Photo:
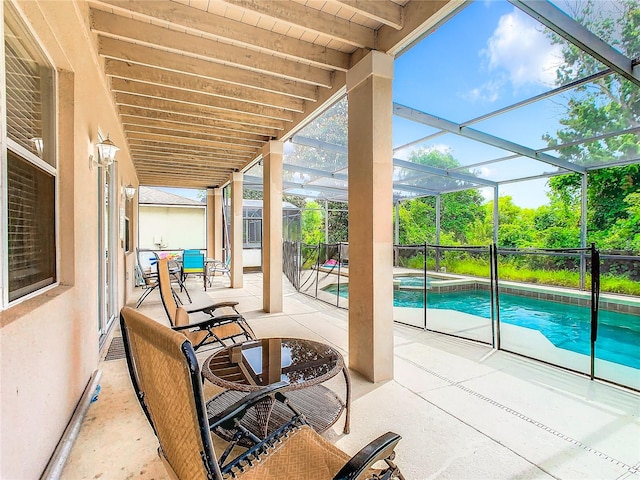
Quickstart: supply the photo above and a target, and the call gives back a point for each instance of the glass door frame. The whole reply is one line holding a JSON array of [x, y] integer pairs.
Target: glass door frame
[[107, 249]]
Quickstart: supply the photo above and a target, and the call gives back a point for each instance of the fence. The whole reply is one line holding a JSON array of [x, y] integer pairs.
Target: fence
[[543, 303]]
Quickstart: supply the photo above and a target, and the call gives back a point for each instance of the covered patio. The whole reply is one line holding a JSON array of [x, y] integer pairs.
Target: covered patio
[[194, 94], [463, 410]]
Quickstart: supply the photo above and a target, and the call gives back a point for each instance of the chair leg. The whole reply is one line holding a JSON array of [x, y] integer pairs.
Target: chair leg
[[144, 295]]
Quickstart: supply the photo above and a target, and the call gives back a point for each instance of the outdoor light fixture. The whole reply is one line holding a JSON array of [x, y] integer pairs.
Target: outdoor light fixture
[[106, 153], [39, 144], [129, 191]]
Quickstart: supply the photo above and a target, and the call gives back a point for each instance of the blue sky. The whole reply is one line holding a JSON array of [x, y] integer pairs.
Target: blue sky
[[489, 56]]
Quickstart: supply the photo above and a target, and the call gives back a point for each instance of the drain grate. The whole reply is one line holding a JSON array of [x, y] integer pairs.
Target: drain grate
[[116, 349]]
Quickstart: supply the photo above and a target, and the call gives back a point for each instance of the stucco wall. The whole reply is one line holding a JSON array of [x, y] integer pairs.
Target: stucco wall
[[49, 344], [177, 227]]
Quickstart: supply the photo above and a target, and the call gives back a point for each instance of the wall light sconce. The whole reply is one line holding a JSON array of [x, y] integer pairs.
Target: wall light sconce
[[129, 191], [106, 153], [39, 145]]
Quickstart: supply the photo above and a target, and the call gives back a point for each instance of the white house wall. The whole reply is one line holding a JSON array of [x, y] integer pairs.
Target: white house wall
[[175, 227]]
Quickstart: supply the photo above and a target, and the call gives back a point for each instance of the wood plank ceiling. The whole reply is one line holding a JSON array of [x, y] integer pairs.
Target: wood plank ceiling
[[201, 85]]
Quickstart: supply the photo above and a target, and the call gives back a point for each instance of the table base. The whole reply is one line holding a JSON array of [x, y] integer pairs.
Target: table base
[[320, 406]]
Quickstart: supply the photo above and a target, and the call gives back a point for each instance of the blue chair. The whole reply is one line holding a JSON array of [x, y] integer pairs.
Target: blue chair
[[192, 262]]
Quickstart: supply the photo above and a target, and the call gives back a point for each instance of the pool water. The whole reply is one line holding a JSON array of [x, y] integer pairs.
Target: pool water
[[414, 281], [566, 326]]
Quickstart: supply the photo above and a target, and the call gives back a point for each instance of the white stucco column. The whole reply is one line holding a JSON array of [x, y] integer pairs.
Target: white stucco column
[[236, 230], [272, 227], [370, 217], [214, 223]]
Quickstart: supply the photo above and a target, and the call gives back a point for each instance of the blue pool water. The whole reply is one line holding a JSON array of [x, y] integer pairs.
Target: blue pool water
[[566, 326], [414, 281]]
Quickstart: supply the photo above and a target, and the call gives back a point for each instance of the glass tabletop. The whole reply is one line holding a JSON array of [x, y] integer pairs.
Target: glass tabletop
[[257, 363]]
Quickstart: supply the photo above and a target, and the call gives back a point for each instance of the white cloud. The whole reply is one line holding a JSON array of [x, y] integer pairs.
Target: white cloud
[[519, 46], [488, 92], [484, 172]]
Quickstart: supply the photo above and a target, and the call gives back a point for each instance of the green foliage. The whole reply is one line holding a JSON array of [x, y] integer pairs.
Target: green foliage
[[417, 217], [416, 262], [252, 194], [608, 104], [312, 224], [617, 284], [338, 222]]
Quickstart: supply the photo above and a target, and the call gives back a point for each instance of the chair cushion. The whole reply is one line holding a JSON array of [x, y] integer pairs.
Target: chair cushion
[[305, 455]]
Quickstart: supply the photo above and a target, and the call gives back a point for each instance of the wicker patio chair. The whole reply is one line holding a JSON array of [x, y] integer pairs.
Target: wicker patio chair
[[166, 379], [223, 323]]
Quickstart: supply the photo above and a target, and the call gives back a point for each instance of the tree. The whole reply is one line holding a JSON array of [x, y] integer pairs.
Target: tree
[[338, 222], [606, 105], [312, 220], [458, 209]]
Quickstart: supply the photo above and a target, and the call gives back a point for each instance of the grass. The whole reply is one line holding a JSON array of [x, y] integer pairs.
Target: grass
[[558, 278]]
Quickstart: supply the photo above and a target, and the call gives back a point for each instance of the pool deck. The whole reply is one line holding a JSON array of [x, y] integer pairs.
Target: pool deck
[[464, 410]]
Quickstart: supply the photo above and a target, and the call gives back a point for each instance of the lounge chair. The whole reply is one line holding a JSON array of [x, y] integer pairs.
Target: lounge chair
[[167, 383], [222, 323]]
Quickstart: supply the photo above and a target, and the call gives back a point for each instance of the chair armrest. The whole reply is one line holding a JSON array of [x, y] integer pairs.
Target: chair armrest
[[238, 409], [210, 308], [379, 449], [210, 322]]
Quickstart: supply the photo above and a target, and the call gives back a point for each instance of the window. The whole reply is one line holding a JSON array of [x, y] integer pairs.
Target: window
[[30, 163], [252, 233]]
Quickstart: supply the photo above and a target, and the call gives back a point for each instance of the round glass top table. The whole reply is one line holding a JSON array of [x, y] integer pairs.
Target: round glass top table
[[305, 365]]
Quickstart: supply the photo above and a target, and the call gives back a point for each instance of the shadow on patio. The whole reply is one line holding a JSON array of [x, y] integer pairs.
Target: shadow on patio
[[463, 410]]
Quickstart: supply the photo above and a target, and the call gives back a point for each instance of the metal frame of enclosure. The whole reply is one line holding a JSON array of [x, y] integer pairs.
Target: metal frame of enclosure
[[413, 180]]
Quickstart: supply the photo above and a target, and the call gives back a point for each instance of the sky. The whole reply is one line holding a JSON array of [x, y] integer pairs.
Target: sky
[[489, 56]]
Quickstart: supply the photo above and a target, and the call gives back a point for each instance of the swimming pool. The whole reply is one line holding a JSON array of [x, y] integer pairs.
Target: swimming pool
[[566, 326]]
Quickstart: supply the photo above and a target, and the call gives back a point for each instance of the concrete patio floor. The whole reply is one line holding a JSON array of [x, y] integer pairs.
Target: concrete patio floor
[[463, 410]]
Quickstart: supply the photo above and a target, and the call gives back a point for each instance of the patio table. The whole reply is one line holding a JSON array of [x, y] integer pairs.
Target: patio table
[[304, 364]]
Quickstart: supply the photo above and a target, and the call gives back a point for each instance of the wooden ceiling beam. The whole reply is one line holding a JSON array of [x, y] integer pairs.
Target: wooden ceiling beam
[[182, 181], [130, 121], [191, 83], [189, 155], [238, 33], [187, 150], [132, 87], [173, 133], [192, 165], [313, 20], [158, 175], [132, 135], [153, 57], [154, 104], [190, 120], [180, 167], [149, 155], [383, 11], [151, 35]]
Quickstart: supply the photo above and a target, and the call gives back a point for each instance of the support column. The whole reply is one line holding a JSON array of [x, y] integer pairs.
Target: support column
[[272, 227], [236, 230], [214, 223], [370, 220]]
